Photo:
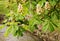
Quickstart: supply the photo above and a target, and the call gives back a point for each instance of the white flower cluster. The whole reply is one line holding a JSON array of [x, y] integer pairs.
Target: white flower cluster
[[20, 7]]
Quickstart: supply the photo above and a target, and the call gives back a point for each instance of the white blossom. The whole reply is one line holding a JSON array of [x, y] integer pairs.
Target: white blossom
[[39, 9], [20, 7], [47, 6]]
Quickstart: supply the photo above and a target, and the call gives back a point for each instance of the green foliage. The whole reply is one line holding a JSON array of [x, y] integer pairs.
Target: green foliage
[[22, 15], [1, 27]]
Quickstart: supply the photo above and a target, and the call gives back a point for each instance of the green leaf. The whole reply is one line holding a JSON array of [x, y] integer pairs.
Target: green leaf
[[48, 26], [53, 2], [19, 16], [45, 26], [51, 28], [25, 10], [14, 29], [32, 22], [8, 31], [54, 18], [26, 27], [42, 2], [14, 7], [2, 26]]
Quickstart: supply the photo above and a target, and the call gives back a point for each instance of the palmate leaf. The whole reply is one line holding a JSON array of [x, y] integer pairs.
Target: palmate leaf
[[8, 31], [32, 22], [45, 26], [48, 27], [19, 32], [14, 29], [11, 29], [53, 2], [51, 28], [54, 18]]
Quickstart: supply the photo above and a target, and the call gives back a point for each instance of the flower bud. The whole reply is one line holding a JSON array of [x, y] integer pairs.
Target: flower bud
[[47, 6], [39, 10], [20, 7]]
